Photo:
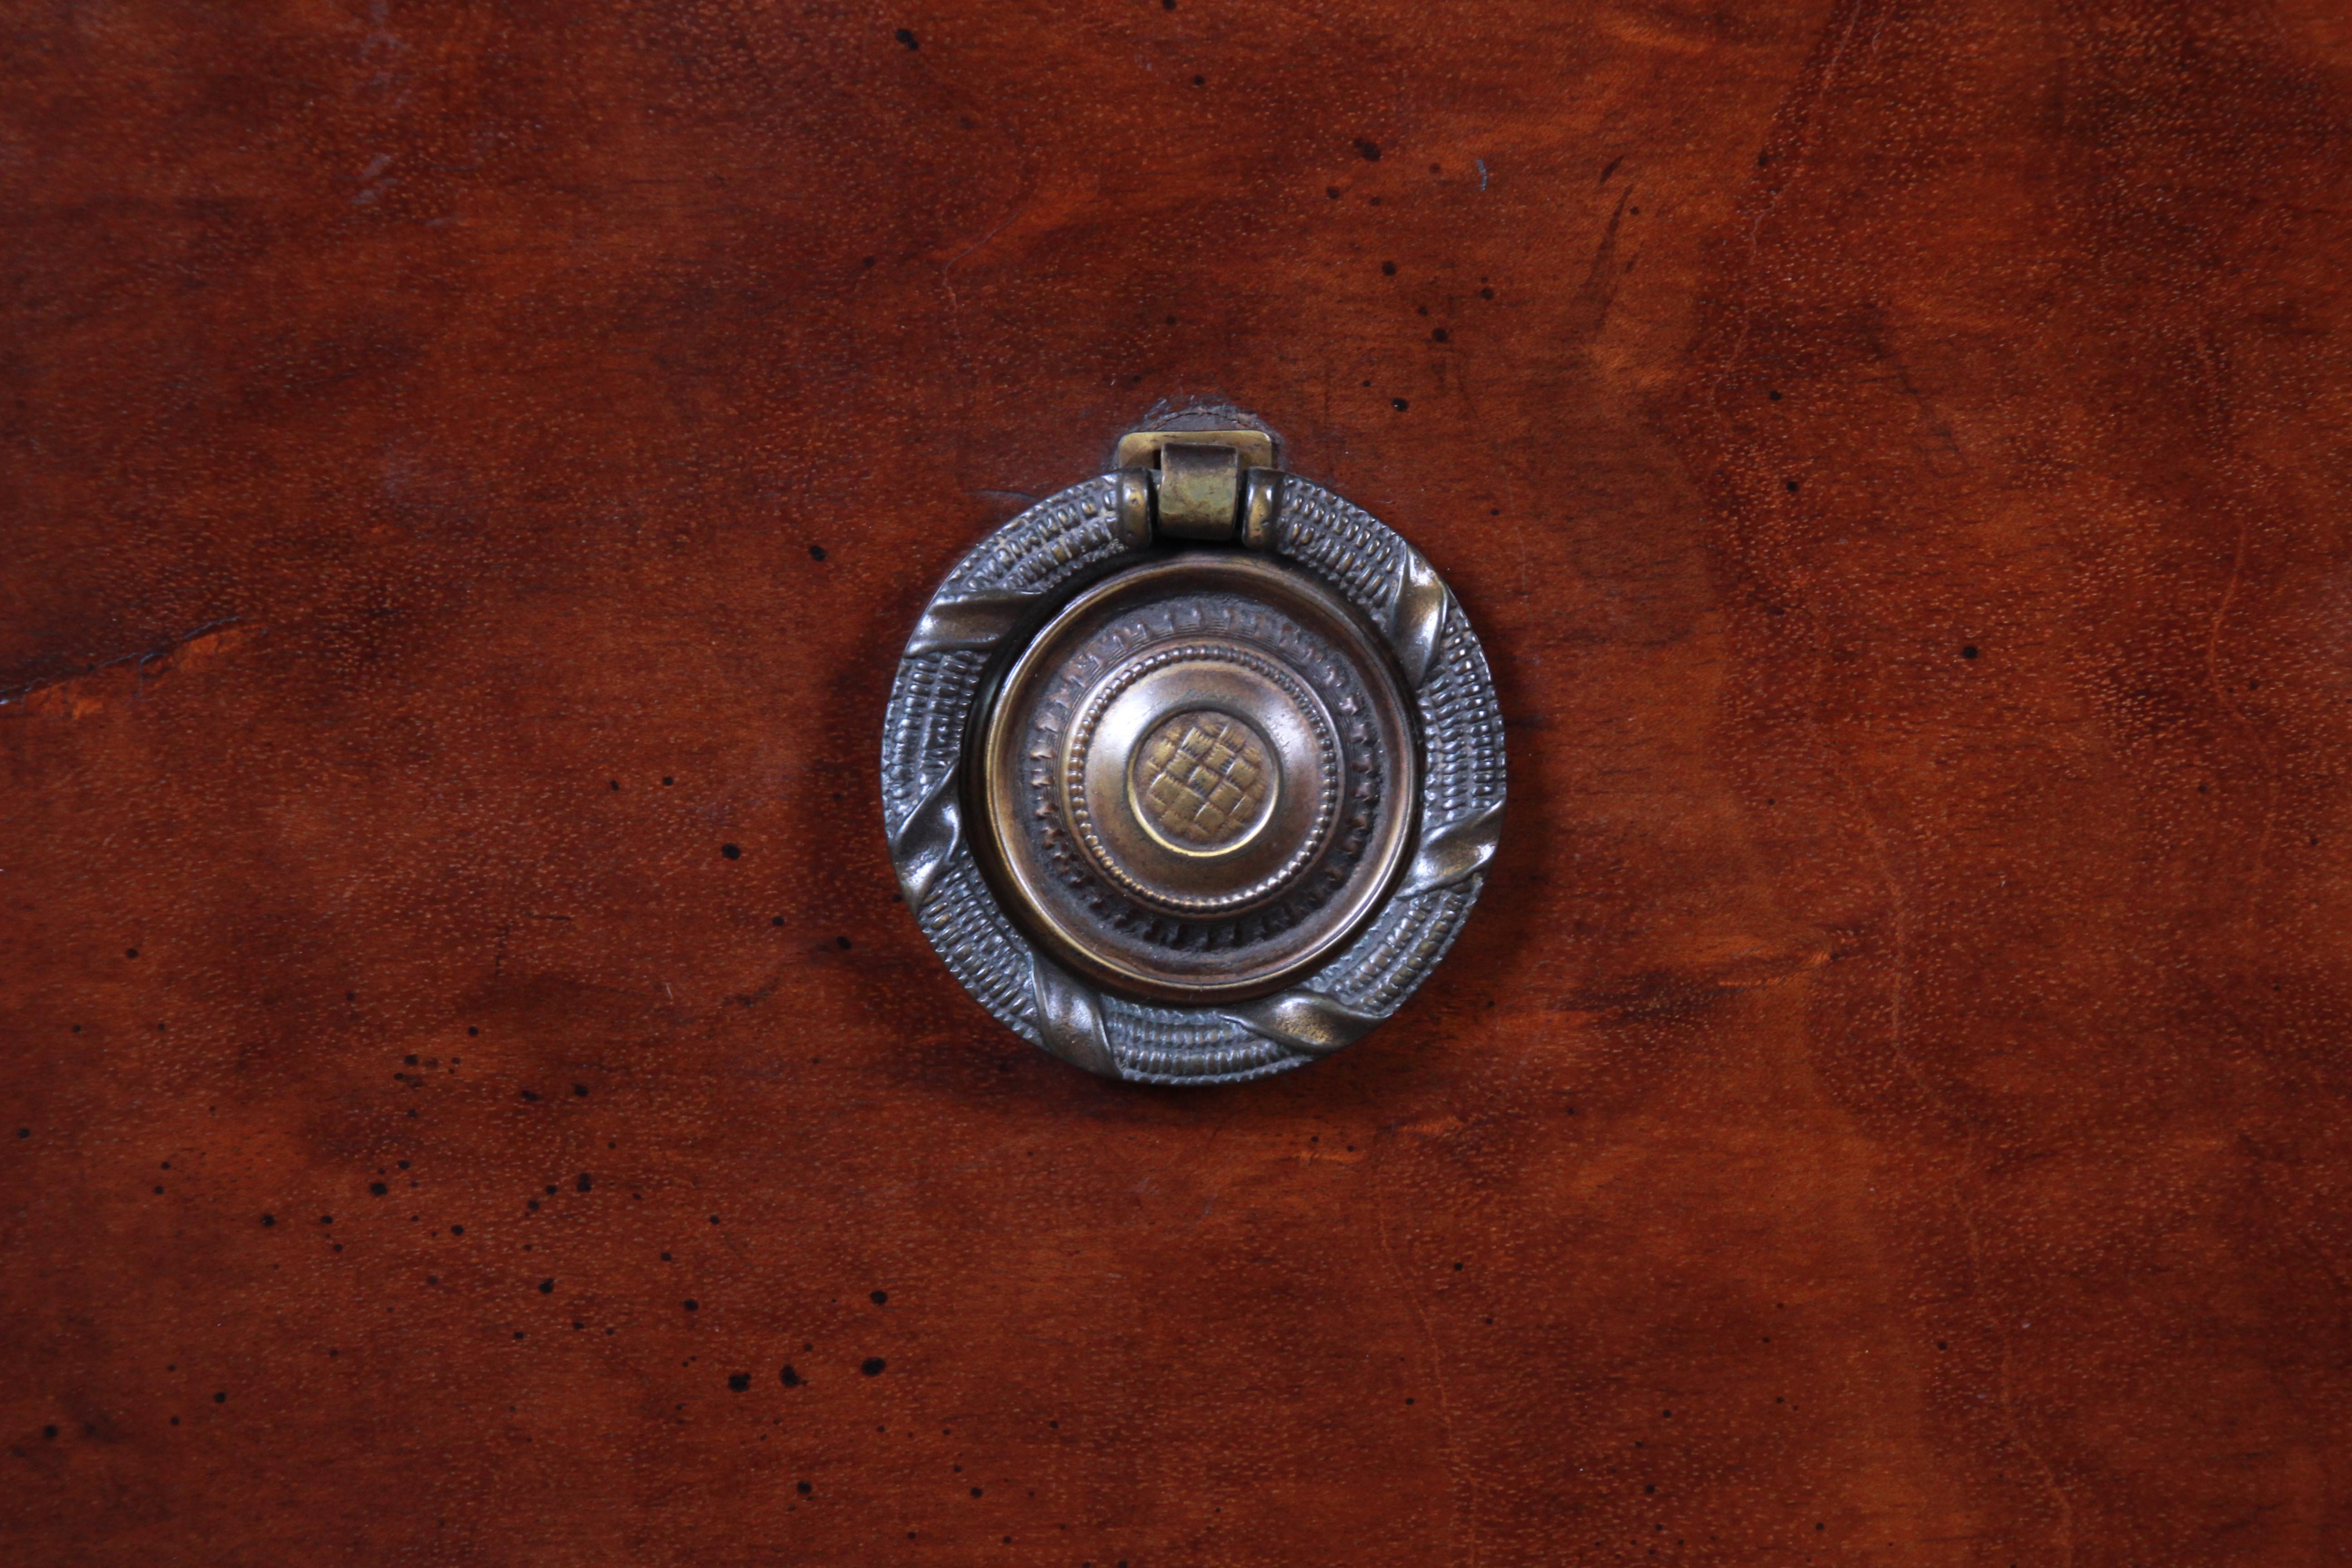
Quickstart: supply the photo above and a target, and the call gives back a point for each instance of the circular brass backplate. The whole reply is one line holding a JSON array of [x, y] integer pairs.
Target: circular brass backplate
[[1193, 815], [1199, 778]]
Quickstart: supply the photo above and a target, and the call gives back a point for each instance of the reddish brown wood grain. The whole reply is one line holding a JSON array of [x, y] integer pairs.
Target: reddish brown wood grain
[[467, 466]]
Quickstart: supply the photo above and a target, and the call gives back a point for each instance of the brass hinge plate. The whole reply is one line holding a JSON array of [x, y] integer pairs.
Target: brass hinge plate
[[1141, 448]]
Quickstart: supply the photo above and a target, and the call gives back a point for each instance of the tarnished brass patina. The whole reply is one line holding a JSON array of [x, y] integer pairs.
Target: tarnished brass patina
[[1207, 487], [1141, 448], [1200, 492], [1192, 771]]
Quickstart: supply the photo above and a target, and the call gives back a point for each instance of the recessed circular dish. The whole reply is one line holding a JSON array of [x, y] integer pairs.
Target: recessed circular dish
[[1198, 778]]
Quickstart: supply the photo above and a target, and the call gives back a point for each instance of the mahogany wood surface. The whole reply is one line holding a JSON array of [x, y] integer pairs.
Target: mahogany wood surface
[[470, 1094]]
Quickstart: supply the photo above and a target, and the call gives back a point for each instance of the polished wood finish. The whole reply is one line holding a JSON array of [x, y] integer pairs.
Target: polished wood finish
[[468, 472]]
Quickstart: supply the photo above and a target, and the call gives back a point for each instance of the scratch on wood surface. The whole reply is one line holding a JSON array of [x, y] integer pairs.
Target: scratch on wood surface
[[1795, 129], [1995, 1319], [1653, 993], [2213, 369], [1465, 1498], [110, 680], [1591, 308]]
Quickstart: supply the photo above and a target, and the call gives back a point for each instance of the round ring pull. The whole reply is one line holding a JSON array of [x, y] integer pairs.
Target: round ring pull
[[1192, 771]]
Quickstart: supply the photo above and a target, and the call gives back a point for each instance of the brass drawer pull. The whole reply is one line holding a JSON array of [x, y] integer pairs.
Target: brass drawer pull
[[1192, 772]]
